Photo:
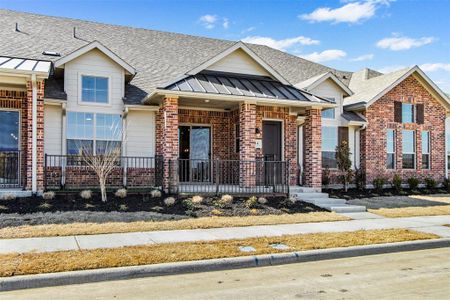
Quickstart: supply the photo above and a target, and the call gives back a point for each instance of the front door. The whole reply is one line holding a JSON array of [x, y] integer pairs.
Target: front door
[[195, 154], [9, 148], [272, 152]]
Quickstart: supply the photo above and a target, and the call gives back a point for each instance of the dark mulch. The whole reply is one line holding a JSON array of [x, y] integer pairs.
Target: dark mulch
[[144, 203], [371, 193]]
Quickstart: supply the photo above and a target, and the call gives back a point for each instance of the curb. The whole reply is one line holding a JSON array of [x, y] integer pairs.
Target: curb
[[108, 274]]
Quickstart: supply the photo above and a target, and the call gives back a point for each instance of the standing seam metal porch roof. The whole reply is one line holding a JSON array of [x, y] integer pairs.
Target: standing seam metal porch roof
[[239, 85]]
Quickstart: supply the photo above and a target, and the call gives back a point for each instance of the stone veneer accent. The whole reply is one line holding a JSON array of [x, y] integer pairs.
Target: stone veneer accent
[[313, 148], [380, 116]]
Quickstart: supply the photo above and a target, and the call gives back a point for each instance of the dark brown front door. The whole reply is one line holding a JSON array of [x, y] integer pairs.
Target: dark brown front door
[[272, 152], [272, 140]]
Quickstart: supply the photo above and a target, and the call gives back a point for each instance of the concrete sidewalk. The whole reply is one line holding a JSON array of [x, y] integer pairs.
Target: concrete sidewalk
[[364, 221]]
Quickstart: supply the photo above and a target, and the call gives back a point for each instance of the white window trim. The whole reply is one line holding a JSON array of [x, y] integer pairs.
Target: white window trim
[[429, 149], [414, 149], [94, 136], [80, 88], [395, 148]]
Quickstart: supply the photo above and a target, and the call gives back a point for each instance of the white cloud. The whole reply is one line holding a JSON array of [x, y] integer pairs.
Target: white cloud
[[283, 44], [208, 21], [435, 67], [248, 29], [389, 69], [399, 43], [352, 12], [363, 57], [327, 55], [226, 23]]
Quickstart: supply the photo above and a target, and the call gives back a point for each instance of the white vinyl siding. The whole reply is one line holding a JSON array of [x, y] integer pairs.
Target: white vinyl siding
[[53, 129], [238, 62], [140, 133]]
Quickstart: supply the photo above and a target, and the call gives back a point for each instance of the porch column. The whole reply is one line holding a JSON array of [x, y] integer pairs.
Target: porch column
[[290, 146], [167, 139], [247, 153], [34, 155], [313, 148]]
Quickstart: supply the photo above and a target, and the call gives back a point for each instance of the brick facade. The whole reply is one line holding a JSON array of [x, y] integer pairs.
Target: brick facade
[[380, 117]]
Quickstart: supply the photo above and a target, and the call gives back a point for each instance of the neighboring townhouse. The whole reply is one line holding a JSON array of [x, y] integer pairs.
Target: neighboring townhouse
[[193, 114]]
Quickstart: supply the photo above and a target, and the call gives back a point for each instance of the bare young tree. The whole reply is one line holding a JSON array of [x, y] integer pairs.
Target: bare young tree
[[104, 159]]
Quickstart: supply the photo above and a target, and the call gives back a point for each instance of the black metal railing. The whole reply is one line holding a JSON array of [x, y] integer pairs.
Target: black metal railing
[[10, 165], [229, 176], [71, 172]]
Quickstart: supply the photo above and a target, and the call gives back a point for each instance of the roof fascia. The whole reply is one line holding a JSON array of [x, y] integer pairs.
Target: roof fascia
[[247, 50], [95, 45]]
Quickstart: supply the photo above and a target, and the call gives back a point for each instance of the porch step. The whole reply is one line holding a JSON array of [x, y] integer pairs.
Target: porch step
[[16, 192], [345, 208], [314, 196]]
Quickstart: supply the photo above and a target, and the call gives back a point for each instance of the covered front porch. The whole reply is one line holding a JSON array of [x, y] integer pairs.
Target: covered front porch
[[245, 141]]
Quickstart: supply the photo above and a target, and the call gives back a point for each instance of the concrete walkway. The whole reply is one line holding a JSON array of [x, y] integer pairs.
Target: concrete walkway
[[361, 221]]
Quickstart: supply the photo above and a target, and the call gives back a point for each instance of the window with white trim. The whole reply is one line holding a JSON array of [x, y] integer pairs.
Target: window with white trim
[[93, 132], [94, 89], [425, 149], [408, 149], [329, 144], [408, 113], [329, 113], [390, 149]]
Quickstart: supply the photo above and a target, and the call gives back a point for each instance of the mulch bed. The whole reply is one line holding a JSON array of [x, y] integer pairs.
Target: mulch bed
[[144, 203], [371, 193]]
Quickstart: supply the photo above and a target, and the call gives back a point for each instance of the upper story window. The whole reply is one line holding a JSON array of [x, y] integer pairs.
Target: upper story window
[[329, 144], [407, 113], [328, 113], [94, 89], [390, 149]]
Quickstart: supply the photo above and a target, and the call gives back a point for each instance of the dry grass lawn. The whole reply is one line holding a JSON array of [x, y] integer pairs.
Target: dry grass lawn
[[34, 263], [200, 223], [412, 211]]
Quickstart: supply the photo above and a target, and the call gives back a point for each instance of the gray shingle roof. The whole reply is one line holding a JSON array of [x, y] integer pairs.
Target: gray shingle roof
[[159, 57]]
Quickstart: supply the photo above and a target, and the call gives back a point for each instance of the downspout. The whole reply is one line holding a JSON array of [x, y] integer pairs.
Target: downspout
[[34, 135]]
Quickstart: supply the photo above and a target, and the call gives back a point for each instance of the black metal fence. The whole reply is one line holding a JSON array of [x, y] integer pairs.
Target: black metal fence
[[10, 165], [228, 176], [72, 172]]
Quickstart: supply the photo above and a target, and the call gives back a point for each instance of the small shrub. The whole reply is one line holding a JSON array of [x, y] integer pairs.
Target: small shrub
[[251, 202], [88, 205], [197, 199], [3, 208], [8, 196], [155, 194], [216, 212], [430, 183], [360, 179], [86, 194], [227, 199], [253, 211], [169, 201], [378, 184], [188, 204], [224, 201], [48, 196], [413, 183], [45, 205], [123, 207], [262, 201], [121, 193], [397, 183], [446, 184], [326, 176], [287, 202]]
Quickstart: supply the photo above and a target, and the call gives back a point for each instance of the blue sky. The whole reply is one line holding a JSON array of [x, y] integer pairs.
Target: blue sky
[[346, 34]]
